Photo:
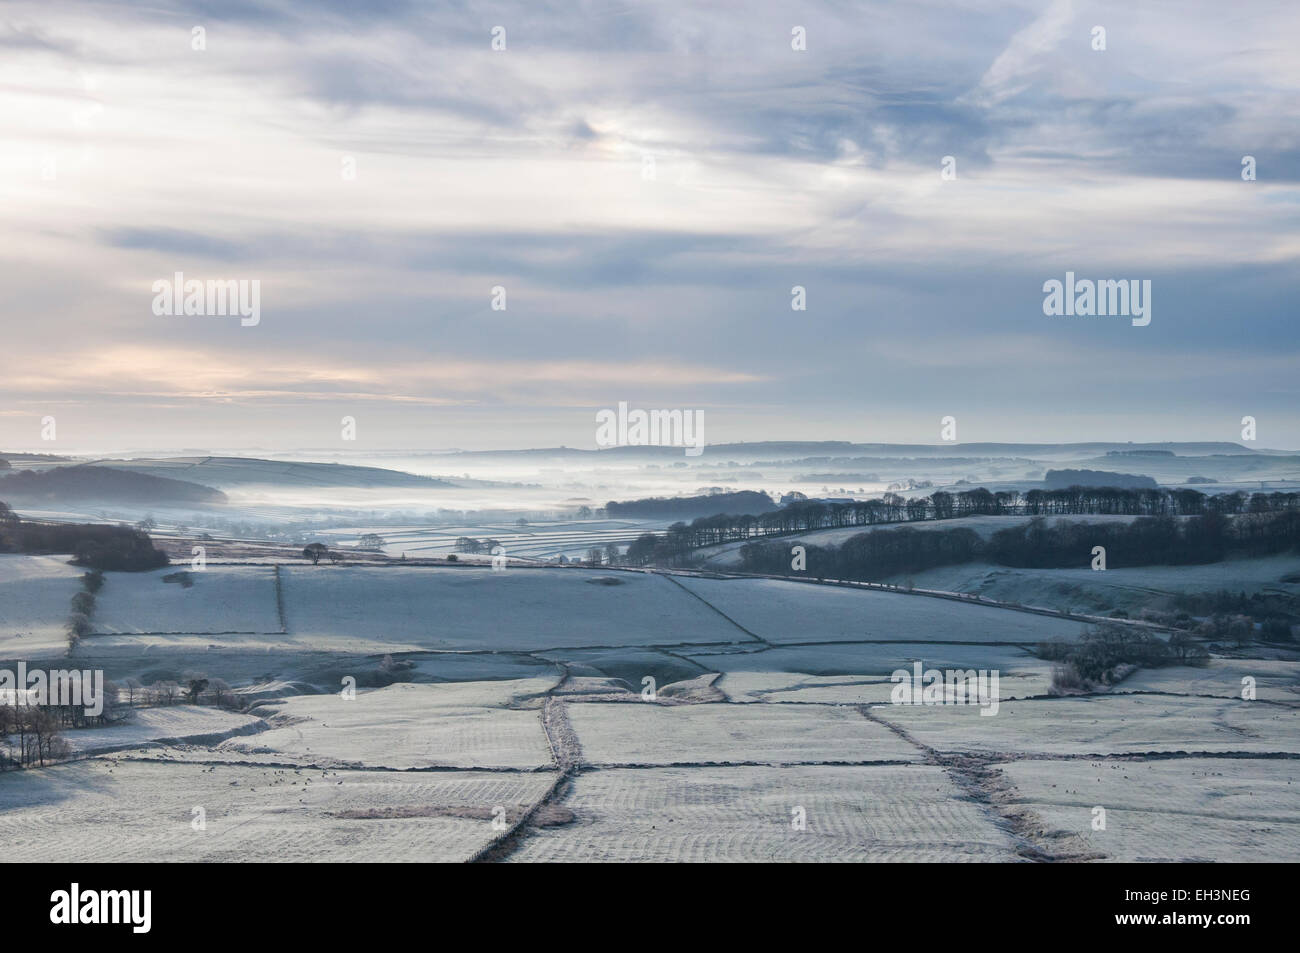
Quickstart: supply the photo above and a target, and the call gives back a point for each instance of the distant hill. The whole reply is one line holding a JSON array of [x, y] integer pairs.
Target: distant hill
[[1064, 479], [691, 507], [66, 484], [799, 449], [227, 472]]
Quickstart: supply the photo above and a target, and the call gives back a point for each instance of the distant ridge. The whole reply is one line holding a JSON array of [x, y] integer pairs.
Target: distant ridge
[[788, 448], [82, 482], [229, 472]]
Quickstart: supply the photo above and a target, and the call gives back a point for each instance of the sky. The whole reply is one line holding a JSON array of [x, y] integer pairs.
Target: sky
[[647, 182]]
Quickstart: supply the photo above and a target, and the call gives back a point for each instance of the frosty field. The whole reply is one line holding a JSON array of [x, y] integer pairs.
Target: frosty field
[[34, 596], [1177, 811], [620, 734], [1129, 588], [120, 810], [524, 609], [549, 714], [785, 612], [229, 599], [739, 814], [410, 726], [1113, 724]]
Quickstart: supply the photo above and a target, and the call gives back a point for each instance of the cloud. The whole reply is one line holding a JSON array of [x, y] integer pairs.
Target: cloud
[[525, 169]]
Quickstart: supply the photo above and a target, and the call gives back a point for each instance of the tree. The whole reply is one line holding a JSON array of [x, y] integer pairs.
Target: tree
[[371, 541], [112, 696], [78, 627], [314, 552], [132, 685], [611, 554], [584, 512], [222, 694], [43, 728], [197, 685]]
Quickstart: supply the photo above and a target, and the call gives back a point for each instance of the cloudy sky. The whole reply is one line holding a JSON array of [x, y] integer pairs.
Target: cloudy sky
[[129, 155]]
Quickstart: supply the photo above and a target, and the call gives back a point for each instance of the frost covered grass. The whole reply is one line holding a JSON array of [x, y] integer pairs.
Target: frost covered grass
[[1171, 811]]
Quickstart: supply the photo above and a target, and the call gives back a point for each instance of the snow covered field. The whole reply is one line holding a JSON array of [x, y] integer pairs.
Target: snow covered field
[[410, 726], [35, 592], [518, 693], [784, 612], [1173, 811], [547, 540], [476, 609], [180, 724], [640, 734], [226, 599], [114, 809], [746, 814], [1111, 724]]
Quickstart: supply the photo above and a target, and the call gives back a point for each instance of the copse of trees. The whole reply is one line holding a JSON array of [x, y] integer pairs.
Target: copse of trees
[[1144, 541], [127, 550], [97, 546], [744, 501], [468, 544], [1106, 653], [807, 515], [1064, 479], [30, 734]]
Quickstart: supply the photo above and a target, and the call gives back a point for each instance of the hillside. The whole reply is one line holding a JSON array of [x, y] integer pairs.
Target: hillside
[[65, 484], [227, 472]]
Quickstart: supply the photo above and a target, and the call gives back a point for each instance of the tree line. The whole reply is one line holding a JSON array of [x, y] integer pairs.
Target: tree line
[[673, 546], [1145, 541], [96, 546]]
